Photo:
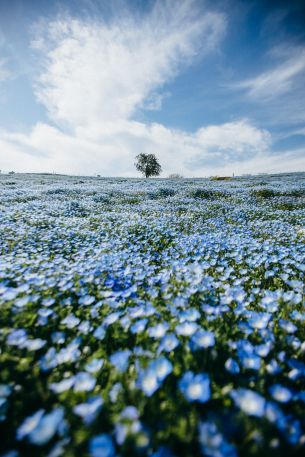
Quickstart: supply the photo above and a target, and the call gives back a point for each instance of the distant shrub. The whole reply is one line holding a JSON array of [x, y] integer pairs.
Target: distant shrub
[[175, 176], [75, 209], [101, 198], [220, 178], [206, 194], [163, 192], [294, 193], [264, 193]]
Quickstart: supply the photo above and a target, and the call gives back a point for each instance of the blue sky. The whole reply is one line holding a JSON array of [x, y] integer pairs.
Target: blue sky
[[210, 87]]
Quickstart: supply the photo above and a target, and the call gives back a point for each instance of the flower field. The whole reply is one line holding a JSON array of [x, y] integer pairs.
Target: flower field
[[153, 318]]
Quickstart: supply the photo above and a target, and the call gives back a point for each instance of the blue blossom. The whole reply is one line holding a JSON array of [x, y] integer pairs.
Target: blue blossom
[[70, 321], [89, 410], [41, 427], [158, 331], [100, 332], [17, 338], [202, 339], [84, 382], [94, 365], [232, 366], [150, 379], [250, 402], [195, 387], [259, 320], [280, 393], [120, 360], [87, 300], [168, 343], [212, 442], [101, 446], [139, 326], [186, 328]]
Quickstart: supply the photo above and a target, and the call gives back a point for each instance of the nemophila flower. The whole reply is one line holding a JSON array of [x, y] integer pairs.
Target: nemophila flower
[[186, 328], [250, 402], [58, 337], [41, 427], [168, 343], [94, 365], [195, 387], [232, 366], [62, 386], [17, 338], [114, 392], [212, 442], [138, 326], [273, 367], [70, 321], [130, 412], [275, 415], [48, 301], [148, 382], [249, 361], [100, 332], [84, 382], [280, 393], [70, 353], [263, 349], [35, 344], [151, 378], [288, 326], [259, 320], [89, 410], [87, 300], [120, 360], [202, 339], [190, 315], [101, 446], [162, 367], [158, 331]]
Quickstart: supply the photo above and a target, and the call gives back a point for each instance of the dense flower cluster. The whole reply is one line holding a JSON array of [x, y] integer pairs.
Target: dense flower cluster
[[155, 318]]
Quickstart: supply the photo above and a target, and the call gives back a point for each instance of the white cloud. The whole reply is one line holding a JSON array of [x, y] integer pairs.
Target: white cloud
[[112, 151], [282, 78], [101, 71]]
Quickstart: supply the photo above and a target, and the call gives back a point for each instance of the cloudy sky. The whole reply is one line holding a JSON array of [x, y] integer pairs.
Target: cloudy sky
[[210, 87]]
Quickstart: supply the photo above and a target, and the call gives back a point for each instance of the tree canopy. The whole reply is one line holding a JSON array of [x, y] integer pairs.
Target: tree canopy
[[148, 165]]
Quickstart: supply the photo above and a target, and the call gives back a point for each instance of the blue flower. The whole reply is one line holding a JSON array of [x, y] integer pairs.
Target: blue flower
[[101, 446], [186, 328], [89, 410], [259, 320], [232, 366], [158, 331], [100, 332], [120, 360], [213, 444], [249, 402], [168, 343], [280, 393], [71, 321], [40, 427], [195, 387], [162, 367], [149, 380], [84, 382], [94, 365], [202, 339]]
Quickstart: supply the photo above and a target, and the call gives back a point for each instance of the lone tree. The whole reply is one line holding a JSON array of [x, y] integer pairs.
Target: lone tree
[[148, 165]]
